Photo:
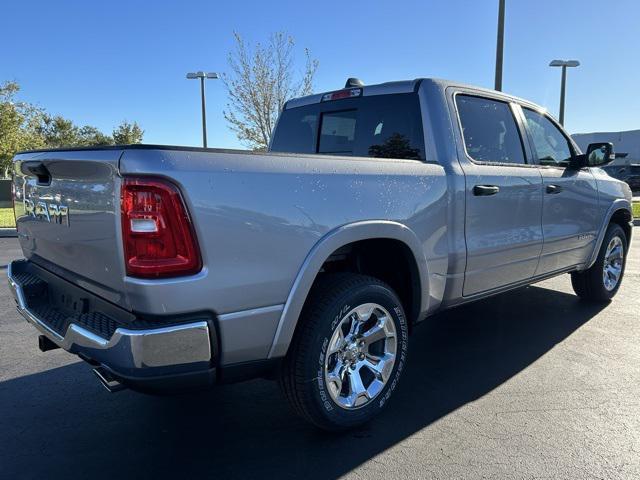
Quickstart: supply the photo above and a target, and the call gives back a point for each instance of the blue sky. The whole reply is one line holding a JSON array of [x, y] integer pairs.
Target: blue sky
[[101, 62]]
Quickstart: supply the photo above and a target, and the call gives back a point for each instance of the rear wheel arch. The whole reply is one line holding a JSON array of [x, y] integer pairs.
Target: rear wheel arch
[[332, 243]]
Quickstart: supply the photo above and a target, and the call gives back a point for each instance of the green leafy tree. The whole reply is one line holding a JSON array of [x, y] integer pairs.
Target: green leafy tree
[[396, 146], [128, 134], [59, 132], [24, 126], [260, 81], [90, 136], [19, 122]]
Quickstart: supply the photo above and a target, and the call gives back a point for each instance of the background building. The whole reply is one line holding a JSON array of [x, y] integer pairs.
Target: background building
[[623, 142]]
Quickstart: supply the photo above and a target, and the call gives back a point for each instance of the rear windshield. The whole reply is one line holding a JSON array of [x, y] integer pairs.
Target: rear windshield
[[386, 126]]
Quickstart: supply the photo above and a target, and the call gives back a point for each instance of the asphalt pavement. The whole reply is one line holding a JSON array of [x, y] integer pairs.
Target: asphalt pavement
[[528, 384]]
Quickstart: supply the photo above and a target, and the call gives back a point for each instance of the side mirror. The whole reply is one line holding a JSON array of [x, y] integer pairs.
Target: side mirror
[[598, 154]]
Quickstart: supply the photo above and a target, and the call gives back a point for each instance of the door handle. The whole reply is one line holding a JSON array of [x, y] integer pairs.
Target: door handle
[[554, 188], [485, 190]]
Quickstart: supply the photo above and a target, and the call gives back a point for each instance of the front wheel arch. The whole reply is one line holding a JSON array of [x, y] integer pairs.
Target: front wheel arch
[[591, 284], [620, 213]]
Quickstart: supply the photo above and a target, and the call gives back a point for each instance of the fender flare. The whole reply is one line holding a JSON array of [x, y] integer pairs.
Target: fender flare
[[329, 243], [619, 204]]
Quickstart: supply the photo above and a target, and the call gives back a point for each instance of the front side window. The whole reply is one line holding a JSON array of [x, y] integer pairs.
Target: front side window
[[489, 130], [551, 146]]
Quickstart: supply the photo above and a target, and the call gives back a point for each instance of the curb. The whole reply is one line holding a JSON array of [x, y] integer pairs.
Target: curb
[[8, 232]]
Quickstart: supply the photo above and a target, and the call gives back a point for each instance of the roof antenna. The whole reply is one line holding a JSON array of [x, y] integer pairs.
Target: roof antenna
[[353, 82]]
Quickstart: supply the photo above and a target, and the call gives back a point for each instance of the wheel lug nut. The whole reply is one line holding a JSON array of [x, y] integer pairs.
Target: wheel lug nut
[[353, 366], [361, 356]]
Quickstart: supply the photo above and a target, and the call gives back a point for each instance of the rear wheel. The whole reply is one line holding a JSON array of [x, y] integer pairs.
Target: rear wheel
[[601, 282], [347, 355]]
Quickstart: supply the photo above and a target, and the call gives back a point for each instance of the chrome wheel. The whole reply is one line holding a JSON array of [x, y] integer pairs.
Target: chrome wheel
[[613, 261], [360, 356]]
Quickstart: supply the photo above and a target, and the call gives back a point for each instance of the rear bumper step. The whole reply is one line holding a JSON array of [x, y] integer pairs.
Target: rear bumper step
[[44, 344], [98, 335]]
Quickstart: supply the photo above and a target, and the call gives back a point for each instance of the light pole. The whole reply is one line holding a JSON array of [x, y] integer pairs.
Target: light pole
[[202, 76], [499, 46], [564, 64]]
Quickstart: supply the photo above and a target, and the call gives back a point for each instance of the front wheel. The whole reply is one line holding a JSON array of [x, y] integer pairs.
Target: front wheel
[[601, 282], [348, 353]]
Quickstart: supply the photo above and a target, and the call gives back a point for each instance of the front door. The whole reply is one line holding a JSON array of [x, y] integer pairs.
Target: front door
[[570, 218], [503, 196]]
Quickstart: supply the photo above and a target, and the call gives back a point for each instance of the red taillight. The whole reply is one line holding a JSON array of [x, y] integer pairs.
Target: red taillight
[[157, 233]]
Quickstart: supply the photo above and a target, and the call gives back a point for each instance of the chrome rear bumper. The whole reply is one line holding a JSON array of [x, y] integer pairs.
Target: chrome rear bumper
[[139, 353]]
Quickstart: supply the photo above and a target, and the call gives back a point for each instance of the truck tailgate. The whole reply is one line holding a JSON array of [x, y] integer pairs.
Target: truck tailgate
[[66, 205]]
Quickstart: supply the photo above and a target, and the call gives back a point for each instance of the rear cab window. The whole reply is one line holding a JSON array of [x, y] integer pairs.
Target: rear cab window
[[384, 126], [338, 132]]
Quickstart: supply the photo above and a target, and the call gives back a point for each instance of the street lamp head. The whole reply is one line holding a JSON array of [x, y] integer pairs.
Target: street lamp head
[[564, 63], [201, 74]]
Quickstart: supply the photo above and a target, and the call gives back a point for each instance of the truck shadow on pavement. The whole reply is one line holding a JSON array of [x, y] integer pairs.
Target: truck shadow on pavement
[[60, 423]]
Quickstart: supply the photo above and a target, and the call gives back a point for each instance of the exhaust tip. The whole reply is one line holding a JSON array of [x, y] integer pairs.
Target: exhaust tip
[[107, 380], [44, 344]]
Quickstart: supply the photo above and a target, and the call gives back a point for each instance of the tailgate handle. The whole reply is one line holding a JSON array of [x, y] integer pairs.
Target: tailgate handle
[[41, 173]]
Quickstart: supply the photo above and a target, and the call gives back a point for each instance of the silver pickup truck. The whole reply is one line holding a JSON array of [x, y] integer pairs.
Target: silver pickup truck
[[376, 206]]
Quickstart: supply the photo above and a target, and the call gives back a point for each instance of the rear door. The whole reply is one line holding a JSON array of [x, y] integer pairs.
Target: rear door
[[503, 195], [66, 205], [570, 216]]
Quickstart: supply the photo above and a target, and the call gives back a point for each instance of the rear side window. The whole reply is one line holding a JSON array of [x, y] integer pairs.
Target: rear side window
[[489, 129], [385, 126]]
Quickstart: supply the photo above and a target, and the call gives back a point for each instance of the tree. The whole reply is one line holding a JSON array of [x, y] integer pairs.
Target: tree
[[89, 136], [19, 123], [260, 81], [127, 134], [59, 132], [24, 126], [396, 146]]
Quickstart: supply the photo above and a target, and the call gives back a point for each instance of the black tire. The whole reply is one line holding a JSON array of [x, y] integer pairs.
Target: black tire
[[302, 376], [589, 284]]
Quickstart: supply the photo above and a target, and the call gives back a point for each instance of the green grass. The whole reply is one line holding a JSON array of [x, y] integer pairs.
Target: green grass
[[636, 209], [6, 218]]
